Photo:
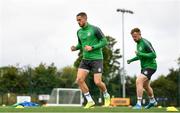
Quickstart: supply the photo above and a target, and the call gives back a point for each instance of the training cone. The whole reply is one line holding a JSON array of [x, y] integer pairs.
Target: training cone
[[172, 108], [159, 107], [19, 106]]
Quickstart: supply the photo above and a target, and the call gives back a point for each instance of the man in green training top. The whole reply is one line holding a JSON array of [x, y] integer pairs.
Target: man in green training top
[[146, 54], [91, 41]]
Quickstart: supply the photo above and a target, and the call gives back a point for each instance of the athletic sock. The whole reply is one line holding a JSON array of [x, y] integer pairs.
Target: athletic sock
[[139, 99], [152, 99], [88, 97], [105, 93]]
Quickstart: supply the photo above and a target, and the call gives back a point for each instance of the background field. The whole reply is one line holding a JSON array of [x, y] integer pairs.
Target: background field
[[79, 109]]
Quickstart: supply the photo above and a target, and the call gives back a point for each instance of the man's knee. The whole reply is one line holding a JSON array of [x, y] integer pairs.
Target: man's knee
[[98, 82], [138, 81], [80, 80], [97, 79], [81, 76], [141, 79], [145, 87]]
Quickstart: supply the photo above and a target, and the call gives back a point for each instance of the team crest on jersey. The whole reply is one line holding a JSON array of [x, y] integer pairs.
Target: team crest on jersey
[[89, 34], [140, 48]]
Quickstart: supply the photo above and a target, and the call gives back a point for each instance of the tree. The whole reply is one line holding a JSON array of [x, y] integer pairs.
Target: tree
[[178, 62], [10, 80], [167, 87], [43, 78], [67, 77], [178, 81]]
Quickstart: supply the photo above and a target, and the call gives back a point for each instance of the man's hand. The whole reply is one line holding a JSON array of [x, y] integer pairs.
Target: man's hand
[[73, 48], [128, 61], [88, 48]]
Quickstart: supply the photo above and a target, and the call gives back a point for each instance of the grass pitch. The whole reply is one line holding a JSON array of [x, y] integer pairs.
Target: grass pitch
[[81, 109]]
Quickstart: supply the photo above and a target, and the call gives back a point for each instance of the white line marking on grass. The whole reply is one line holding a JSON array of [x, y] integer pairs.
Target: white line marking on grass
[[87, 112]]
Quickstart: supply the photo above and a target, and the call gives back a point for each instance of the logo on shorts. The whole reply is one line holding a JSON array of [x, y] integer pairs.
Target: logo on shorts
[[145, 72], [99, 69]]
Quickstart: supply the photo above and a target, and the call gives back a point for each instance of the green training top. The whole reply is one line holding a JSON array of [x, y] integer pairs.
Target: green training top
[[146, 54], [92, 36]]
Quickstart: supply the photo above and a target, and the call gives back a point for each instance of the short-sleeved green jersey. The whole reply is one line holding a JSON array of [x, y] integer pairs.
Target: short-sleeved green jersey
[[146, 54], [92, 36]]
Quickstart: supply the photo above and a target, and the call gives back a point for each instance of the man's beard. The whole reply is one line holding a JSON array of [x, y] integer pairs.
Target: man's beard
[[82, 25]]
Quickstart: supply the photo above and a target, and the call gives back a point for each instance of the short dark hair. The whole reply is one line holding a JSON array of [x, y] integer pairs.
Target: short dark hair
[[135, 30], [83, 14]]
